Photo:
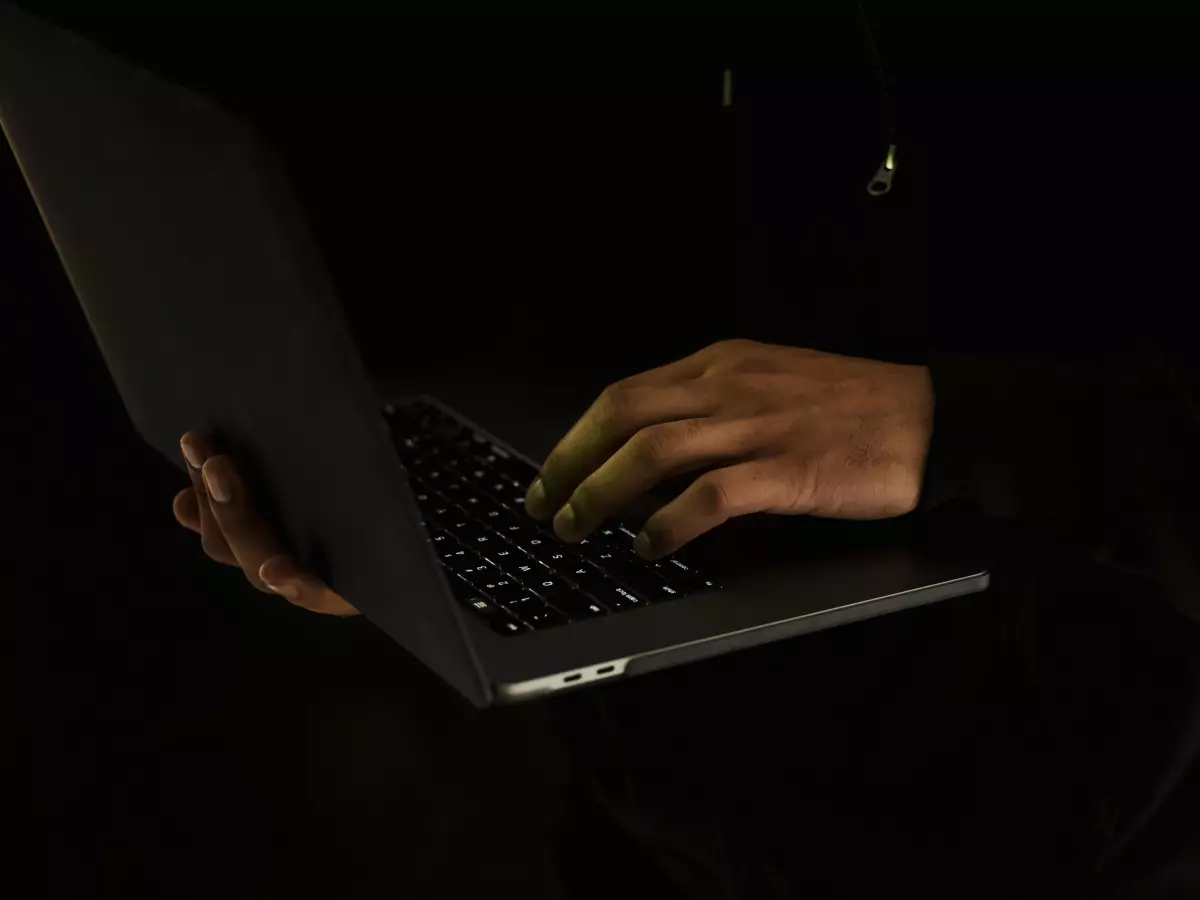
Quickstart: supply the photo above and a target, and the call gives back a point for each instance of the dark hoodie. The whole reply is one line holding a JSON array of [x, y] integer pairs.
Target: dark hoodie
[[1038, 740]]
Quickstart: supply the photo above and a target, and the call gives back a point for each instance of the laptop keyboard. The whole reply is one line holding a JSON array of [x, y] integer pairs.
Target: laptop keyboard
[[506, 567]]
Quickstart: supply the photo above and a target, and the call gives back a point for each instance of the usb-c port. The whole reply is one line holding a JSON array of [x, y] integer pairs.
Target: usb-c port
[[605, 670], [574, 677]]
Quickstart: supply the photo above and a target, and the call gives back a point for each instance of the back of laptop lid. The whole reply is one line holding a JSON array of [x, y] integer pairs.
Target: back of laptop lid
[[210, 303]]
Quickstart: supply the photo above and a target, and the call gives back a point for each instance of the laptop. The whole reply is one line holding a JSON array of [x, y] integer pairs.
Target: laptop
[[162, 205]]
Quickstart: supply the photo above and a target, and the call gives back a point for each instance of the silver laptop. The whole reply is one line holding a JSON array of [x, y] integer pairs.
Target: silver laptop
[[172, 218]]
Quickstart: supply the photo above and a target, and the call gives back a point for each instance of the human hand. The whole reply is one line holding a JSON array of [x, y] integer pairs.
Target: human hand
[[219, 509], [793, 431]]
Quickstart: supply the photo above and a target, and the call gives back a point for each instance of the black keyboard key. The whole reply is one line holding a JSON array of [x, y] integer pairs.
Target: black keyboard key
[[616, 597], [546, 617], [468, 493], [500, 554], [422, 454], [554, 556], [577, 605], [586, 578], [613, 562], [463, 527], [695, 584], [481, 543], [439, 516], [502, 590], [440, 539], [516, 532], [583, 549], [478, 504], [549, 588], [524, 605], [476, 475], [505, 624], [527, 571], [672, 569], [494, 517], [450, 464], [626, 533], [514, 498], [559, 559], [484, 609], [647, 584], [463, 445], [481, 573], [516, 470], [486, 458], [408, 446], [611, 535], [434, 478], [457, 559], [498, 489], [453, 489], [536, 545], [590, 551]]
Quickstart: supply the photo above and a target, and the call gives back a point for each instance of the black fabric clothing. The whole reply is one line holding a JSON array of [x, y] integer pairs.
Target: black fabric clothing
[[1064, 428], [587, 211]]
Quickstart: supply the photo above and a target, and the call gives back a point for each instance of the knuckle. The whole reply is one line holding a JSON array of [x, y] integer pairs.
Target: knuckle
[[617, 402], [712, 497], [732, 355], [801, 475], [733, 346], [659, 444], [652, 446]]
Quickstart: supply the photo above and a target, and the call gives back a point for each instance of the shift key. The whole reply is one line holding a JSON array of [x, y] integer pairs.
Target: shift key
[[577, 605]]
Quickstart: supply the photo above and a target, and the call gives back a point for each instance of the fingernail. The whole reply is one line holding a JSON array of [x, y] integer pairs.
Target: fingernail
[[277, 569], [286, 590], [535, 500], [641, 544], [219, 484], [565, 524], [191, 454]]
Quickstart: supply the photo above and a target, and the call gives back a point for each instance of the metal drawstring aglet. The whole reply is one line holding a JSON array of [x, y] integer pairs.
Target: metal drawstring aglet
[[881, 182]]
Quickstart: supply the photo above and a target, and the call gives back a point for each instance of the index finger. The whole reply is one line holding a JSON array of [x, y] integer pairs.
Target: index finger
[[664, 394]]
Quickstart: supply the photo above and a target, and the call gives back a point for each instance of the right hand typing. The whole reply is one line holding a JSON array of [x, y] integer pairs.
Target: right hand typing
[[218, 508]]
